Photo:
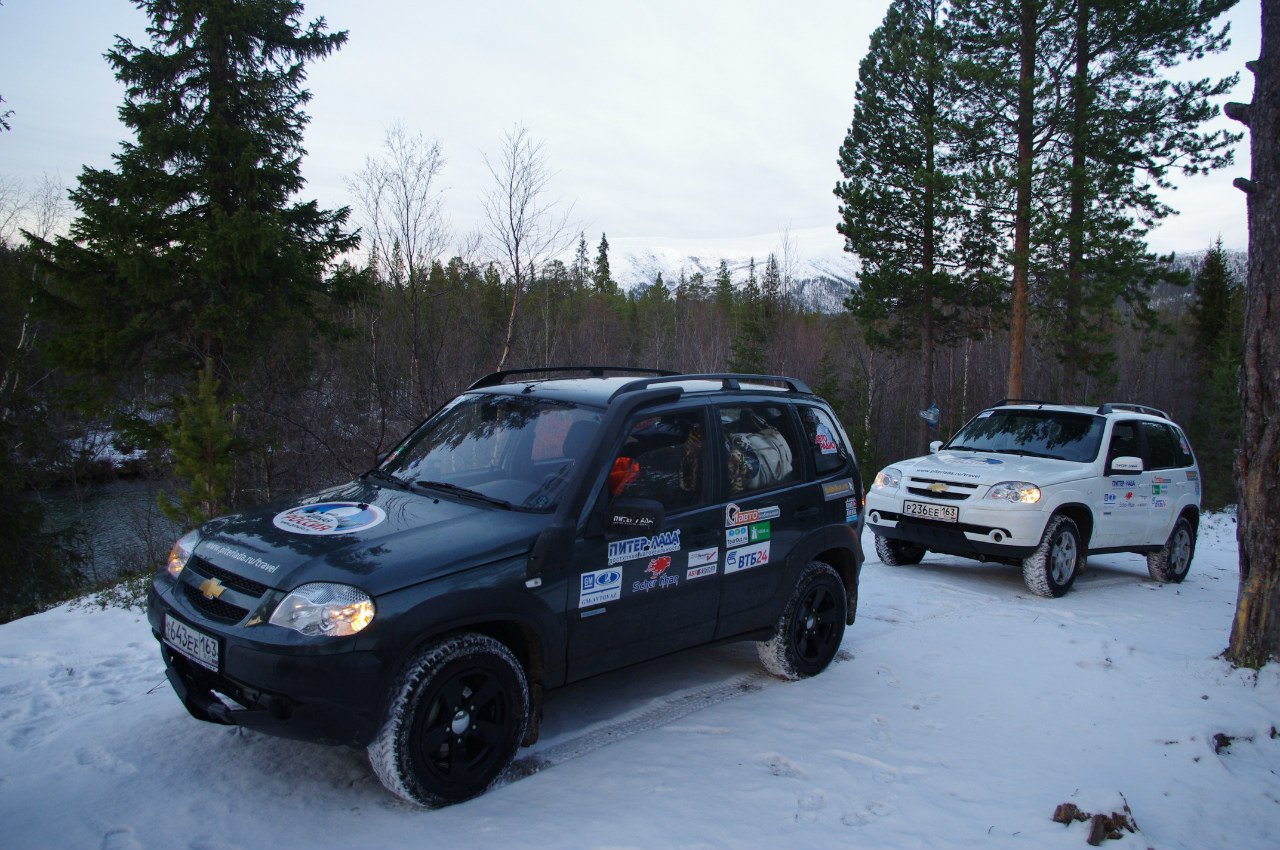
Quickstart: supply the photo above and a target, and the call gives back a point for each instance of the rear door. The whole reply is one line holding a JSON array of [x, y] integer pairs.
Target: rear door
[[768, 507], [642, 594], [1124, 517], [1167, 457]]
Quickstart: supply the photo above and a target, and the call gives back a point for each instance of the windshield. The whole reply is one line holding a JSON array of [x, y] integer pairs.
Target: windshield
[[509, 451], [1036, 433]]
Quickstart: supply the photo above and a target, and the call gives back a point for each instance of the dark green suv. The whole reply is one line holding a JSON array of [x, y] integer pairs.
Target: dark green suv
[[529, 534]]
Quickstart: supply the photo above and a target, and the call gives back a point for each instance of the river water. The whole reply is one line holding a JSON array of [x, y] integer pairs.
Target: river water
[[120, 524]]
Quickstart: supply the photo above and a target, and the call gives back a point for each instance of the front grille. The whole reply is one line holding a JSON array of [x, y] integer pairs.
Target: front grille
[[230, 579], [957, 491], [214, 608]]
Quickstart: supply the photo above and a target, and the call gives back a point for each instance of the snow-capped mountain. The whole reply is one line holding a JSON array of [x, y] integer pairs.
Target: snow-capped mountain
[[821, 273]]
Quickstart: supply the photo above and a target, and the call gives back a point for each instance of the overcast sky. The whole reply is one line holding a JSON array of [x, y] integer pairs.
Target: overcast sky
[[708, 119]]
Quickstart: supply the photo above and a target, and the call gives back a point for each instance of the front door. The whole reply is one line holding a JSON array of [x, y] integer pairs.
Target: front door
[[641, 594]]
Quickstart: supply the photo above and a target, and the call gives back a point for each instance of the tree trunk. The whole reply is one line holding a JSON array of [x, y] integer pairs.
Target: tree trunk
[[1022, 210], [1255, 634], [928, 261], [1075, 216]]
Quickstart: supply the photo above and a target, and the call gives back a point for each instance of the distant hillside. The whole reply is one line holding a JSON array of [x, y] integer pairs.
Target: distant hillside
[[821, 272]]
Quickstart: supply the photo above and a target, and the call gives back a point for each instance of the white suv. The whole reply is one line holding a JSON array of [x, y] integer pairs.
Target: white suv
[[1043, 485]]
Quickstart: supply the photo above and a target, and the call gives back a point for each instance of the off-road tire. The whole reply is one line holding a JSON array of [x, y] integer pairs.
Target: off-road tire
[[808, 634], [898, 553], [1051, 569], [455, 718], [1171, 563]]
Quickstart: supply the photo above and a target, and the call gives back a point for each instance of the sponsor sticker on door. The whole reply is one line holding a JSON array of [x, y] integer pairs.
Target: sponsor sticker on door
[[599, 587], [703, 562], [734, 515], [736, 560], [644, 547]]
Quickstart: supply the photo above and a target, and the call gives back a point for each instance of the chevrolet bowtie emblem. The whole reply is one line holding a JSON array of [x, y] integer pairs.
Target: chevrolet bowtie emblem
[[211, 588], [937, 487]]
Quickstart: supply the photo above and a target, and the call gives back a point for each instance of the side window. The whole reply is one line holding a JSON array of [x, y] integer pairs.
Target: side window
[[663, 458], [1185, 457], [823, 439], [760, 447], [1124, 442], [1162, 446]]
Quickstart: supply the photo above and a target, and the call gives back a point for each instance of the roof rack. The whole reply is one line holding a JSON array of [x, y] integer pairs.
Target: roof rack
[[728, 381], [1005, 402], [1136, 408], [493, 379]]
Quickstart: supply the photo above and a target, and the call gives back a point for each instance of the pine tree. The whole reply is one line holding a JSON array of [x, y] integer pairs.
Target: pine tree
[[1069, 124], [193, 246], [899, 209], [1126, 127]]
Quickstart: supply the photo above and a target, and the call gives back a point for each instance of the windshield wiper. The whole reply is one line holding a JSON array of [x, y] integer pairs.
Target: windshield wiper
[[1025, 453], [383, 475], [465, 492]]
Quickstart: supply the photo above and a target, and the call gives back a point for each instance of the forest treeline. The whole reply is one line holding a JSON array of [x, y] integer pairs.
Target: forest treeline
[[253, 345]]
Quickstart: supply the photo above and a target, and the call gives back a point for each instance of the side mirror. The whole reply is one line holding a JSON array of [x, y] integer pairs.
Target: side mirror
[[1125, 464], [934, 446], [634, 516]]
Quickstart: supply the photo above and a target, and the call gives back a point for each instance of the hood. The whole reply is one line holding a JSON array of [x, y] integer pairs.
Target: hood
[[378, 538], [987, 468]]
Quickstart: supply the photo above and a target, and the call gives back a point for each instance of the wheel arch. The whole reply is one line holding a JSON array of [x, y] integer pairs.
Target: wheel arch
[[843, 561], [1081, 516]]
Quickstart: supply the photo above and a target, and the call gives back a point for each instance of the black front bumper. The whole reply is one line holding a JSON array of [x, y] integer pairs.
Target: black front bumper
[[949, 539], [289, 691]]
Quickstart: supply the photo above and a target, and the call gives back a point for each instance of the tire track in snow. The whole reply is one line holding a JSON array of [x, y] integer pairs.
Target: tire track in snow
[[655, 714]]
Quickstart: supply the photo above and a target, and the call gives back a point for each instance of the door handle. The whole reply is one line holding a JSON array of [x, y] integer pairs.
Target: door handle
[[805, 513]]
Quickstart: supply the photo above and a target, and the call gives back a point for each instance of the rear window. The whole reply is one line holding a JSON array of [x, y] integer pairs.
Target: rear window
[[1056, 434]]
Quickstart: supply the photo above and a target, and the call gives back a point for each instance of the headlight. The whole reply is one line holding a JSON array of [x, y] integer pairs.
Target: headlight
[[887, 479], [181, 553], [1015, 491], [334, 610]]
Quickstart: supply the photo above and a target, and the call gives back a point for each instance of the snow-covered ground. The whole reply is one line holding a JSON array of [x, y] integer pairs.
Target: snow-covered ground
[[961, 712]]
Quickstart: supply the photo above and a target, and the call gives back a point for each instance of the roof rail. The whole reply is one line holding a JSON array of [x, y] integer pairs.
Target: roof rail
[[493, 379], [1004, 402], [728, 381], [1136, 408]]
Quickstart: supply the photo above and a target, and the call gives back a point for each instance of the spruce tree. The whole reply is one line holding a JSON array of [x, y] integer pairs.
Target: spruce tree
[[193, 246], [1217, 323], [603, 277]]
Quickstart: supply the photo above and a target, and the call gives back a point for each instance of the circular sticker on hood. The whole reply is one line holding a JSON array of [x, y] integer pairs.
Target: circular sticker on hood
[[329, 518]]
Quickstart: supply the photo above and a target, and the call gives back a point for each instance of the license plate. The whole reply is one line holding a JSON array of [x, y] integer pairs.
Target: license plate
[[194, 644], [923, 510]]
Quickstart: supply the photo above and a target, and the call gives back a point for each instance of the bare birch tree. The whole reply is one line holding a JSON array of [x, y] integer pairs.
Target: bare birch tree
[[524, 228], [399, 199]]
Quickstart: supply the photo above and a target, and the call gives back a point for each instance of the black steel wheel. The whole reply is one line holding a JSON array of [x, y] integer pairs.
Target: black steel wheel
[[454, 723], [808, 634]]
